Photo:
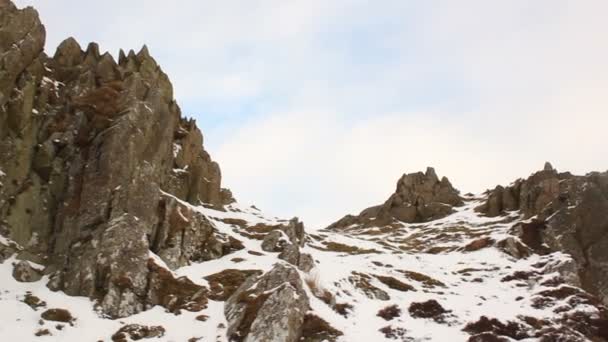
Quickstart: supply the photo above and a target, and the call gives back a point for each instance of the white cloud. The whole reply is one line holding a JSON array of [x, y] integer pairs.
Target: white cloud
[[345, 96]]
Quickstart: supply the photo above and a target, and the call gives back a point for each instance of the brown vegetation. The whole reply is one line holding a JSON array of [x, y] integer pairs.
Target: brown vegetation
[[253, 304], [389, 312], [342, 248], [395, 284], [315, 328], [393, 333], [223, 284], [486, 325], [426, 281], [58, 315], [33, 301], [429, 309], [478, 244], [175, 293]]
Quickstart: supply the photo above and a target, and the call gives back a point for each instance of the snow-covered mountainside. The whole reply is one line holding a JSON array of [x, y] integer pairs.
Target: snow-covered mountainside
[[114, 227], [448, 279]]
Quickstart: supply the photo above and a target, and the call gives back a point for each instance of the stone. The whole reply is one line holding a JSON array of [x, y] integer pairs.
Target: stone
[[306, 262], [531, 196], [275, 241], [419, 197], [291, 254], [567, 214], [514, 247], [86, 145], [25, 273], [268, 308], [136, 332], [6, 252]]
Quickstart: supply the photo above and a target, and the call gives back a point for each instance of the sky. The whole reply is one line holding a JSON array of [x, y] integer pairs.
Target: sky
[[315, 108]]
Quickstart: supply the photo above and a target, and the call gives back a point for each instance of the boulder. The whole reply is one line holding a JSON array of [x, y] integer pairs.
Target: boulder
[[275, 241], [269, 308], [419, 197], [134, 332], [25, 273], [567, 213]]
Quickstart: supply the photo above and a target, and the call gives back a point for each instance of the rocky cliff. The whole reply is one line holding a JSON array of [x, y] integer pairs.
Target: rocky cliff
[[114, 226], [95, 156], [419, 197]]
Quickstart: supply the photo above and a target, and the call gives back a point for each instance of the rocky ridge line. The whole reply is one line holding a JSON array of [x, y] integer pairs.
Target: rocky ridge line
[[107, 192], [90, 149]]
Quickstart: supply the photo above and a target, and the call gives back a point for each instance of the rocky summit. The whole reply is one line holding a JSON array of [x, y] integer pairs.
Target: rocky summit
[[114, 226]]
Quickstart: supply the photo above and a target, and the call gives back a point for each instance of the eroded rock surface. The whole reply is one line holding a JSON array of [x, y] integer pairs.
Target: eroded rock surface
[[268, 308], [419, 197], [567, 213], [90, 147], [109, 188]]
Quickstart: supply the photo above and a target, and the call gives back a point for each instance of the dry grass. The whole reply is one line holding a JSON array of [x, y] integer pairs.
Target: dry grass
[[317, 329], [390, 312], [394, 283], [337, 247], [425, 280], [314, 284], [223, 284]]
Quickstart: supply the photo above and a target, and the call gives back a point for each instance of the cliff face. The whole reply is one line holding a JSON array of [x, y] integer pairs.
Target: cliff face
[[89, 149], [568, 213], [107, 192]]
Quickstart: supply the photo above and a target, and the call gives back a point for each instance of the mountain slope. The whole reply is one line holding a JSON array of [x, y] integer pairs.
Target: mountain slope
[[114, 226]]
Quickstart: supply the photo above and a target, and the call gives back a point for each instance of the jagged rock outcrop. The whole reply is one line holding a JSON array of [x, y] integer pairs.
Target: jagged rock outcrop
[[287, 239], [89, 149], [269, 308], [567, 213], [419, 197], [530, 196]]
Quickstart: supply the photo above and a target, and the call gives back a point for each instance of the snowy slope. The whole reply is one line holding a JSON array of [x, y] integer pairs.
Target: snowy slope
[[358, 273]]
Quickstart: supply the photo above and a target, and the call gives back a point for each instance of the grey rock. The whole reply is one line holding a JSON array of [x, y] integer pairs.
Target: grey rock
[[291, 254], [569, 215], [25, 273], [419, 197], [275, 241], [269, 308], [87, 144], [306, 262], [6, 252]]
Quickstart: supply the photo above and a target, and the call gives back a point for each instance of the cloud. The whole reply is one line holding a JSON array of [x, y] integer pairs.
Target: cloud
[[315, 108]]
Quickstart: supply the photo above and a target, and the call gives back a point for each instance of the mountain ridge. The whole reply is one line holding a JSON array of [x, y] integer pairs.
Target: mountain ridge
[[114, 226]]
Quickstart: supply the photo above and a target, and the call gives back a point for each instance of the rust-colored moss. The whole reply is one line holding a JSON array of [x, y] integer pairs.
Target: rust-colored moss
[[223, 284], [315, 328], [395, 284], [175, 293], [390, 312], [426, 281], [57, 315]]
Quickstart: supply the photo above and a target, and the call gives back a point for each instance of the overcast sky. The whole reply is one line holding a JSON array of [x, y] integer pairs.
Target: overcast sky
[[315, 108]]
